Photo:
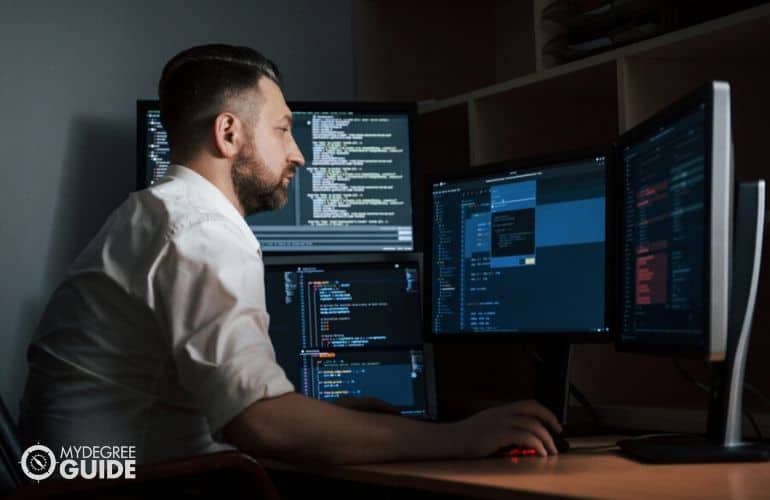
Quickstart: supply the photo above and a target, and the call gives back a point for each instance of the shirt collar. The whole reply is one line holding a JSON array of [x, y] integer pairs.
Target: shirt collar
[[214, 198]]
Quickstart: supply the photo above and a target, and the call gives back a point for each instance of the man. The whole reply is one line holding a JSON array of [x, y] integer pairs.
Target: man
[[158, 336]]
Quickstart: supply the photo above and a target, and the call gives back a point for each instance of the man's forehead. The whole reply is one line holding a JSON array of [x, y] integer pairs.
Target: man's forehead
[[272, 99], [266, 100]]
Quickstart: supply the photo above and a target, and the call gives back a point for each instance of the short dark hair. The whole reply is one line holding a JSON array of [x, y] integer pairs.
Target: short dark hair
[[197, 82]]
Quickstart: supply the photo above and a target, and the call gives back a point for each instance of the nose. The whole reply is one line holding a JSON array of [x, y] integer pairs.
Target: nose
[[295, 155]]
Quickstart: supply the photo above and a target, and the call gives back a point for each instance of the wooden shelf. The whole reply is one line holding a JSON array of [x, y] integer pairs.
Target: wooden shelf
[[746, 32], [571, 106]]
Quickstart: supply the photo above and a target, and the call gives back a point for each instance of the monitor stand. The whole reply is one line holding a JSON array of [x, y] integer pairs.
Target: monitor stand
[[723, 441], [552, 377]]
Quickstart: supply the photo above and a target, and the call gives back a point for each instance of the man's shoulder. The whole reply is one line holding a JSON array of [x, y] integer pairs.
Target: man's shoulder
[[171, 209], [140, 231], [147, 221]]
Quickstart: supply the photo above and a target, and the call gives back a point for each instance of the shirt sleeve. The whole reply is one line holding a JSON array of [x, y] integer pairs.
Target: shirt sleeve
[[209, 295]]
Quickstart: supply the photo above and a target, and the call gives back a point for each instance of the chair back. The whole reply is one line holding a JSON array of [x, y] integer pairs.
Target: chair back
[[10, 452]]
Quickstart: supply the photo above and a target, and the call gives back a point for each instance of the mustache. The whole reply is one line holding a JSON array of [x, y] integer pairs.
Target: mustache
[[289, 171]]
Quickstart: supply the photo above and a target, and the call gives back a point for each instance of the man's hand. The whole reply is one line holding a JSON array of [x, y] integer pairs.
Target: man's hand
[[295, 428], [372, 405], [522, 423]]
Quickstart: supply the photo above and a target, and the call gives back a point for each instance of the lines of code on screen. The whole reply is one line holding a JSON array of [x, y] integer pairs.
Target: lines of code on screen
[[157, 154], [520, 251], [663, 237], [350, 330]]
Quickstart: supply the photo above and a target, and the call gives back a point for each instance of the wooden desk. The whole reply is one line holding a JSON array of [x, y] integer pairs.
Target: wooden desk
[[581, 473]]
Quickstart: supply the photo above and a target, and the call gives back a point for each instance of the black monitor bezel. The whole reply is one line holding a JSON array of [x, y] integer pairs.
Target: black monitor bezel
[[672, 112], [525, 164], [404, 108]]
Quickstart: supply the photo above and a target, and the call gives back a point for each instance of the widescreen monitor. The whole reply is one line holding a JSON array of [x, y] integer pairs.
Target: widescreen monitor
[[519, 249], [350, 326], [354, 193]]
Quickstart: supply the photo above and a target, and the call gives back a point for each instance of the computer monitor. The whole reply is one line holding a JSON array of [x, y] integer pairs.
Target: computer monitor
[[519, 250], [350, 325], [688, 268], [676, 228], [354, 193], [518, 253]]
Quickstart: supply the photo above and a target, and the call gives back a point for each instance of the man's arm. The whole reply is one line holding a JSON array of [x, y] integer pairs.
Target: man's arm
[[295, 428], [373, 405]]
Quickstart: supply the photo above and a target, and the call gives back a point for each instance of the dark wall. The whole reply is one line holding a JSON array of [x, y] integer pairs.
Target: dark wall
[[70, 77]]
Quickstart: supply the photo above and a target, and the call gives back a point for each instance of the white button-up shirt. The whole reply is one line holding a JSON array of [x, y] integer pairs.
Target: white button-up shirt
[[158, 336]]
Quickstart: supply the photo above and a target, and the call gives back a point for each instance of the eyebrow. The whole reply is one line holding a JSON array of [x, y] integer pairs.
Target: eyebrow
[[288, 117]]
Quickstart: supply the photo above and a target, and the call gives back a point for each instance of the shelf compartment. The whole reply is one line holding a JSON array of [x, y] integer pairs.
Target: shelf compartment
[[573, 111]]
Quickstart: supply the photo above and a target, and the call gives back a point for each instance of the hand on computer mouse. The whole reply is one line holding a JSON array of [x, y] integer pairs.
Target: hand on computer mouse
[[562, 446], [523, 424]]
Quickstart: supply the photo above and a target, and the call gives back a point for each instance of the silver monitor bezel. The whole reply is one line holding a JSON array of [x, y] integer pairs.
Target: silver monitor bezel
[[718, 214]]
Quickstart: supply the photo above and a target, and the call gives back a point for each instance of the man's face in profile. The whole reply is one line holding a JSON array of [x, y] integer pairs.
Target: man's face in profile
[[264, 167]]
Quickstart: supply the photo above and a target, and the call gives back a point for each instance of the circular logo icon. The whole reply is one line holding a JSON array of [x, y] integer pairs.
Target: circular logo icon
[[38, 462]]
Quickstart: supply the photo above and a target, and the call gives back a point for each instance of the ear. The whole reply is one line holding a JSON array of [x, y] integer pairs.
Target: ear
[[227, 134]]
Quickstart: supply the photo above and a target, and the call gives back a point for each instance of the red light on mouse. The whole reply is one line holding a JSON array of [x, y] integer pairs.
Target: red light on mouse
[[521, 452]]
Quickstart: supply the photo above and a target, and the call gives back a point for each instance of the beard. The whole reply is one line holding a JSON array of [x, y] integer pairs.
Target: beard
[[256, 192]]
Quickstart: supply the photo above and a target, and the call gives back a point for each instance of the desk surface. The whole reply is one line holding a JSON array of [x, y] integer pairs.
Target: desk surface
[[581, 473]]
